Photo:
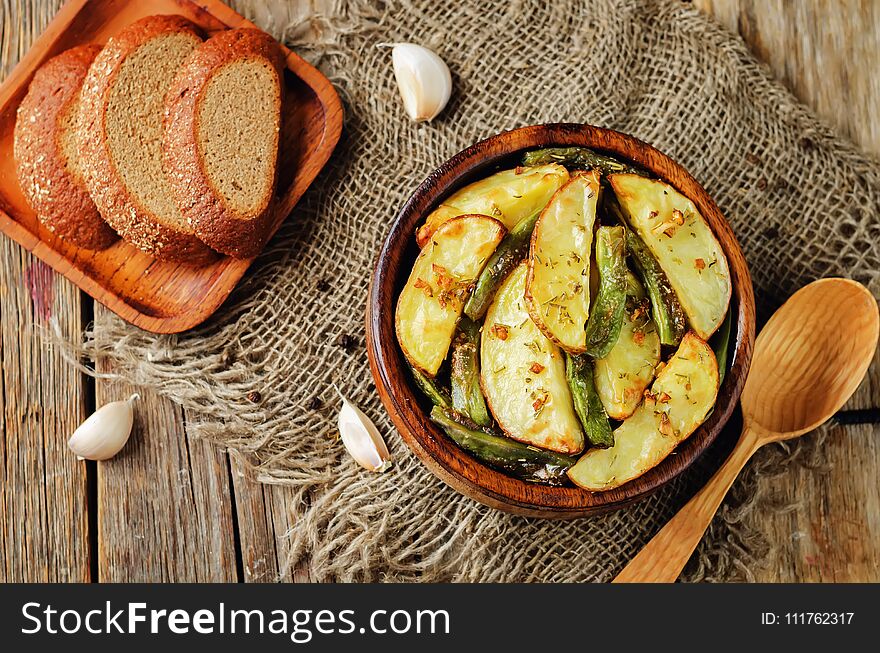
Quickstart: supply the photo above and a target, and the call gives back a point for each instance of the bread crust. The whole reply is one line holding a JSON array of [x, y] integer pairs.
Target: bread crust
[[117, 205], [215, 223], [52, 185]]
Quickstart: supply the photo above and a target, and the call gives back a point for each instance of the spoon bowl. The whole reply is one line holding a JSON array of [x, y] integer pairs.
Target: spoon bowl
[[810, 357], [808, 361]]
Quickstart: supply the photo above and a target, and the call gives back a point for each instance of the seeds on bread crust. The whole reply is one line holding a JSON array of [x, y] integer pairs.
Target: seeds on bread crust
[[120, 136], [45, 152], [221, 138]]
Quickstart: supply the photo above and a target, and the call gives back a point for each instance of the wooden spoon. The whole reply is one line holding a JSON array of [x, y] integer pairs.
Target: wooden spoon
[[808, 361]]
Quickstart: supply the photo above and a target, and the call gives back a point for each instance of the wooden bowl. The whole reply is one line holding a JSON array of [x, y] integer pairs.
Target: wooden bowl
[[409, 409]]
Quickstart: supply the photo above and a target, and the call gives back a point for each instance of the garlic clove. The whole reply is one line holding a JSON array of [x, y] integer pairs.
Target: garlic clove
[[423, 79], [105, 431], [361, 438]]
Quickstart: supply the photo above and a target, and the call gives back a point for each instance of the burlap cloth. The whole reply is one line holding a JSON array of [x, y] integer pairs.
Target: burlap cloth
[[802, 202]]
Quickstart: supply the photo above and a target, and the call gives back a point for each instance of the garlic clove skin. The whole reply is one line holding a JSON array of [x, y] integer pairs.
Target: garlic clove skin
[[361, 438], [423, 79], [105, 431]]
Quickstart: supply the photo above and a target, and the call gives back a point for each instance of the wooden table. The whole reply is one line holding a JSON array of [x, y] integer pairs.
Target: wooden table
[[172, 508]]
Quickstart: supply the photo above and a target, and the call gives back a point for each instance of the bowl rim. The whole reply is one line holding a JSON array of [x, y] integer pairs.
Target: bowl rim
[[405, 405]]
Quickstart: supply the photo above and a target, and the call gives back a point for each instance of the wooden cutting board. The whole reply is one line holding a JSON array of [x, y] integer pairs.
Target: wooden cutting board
[[160, 296]]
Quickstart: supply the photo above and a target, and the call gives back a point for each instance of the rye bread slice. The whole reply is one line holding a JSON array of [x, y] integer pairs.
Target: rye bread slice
[[222, 130], [44, 147], [120, 136]]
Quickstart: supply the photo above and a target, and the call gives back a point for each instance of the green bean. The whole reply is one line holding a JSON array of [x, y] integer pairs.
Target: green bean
[[579, 158], [606, 316], [467, 396], [634, 287], [665, 307], [666, 310], [506, 257], [720, 343], [587, 405], [523, 461], [431, 389]]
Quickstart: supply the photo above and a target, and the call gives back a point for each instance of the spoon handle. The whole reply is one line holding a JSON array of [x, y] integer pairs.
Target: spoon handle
[[663, 558]]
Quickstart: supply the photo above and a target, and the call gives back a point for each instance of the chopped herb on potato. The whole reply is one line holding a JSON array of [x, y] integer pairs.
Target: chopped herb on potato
[[539, 413], [559, 263], [431, 302]]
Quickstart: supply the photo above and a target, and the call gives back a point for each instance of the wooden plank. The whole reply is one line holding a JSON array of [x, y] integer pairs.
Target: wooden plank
[[264, 525], [43, 488], [164, 504], [828, 54], [280, 500], [43, 491], [256, 528]]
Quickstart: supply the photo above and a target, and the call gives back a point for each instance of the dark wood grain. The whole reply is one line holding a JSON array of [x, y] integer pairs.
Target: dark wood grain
[[44, 532], [160, 296], [408, 409], [164, 506], [256, 525]]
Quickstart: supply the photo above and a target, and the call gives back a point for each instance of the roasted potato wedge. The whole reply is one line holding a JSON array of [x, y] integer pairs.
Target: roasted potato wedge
[[558, 285], [441, 279], [624, 373], [679, 400], [523, 374], [677, 235], [509, 196]]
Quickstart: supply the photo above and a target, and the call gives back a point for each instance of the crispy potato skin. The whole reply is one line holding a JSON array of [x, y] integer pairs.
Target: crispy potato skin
[[431, 302], [680, 399], [683, 243], [558, 283], [509, 196], [523, 375]]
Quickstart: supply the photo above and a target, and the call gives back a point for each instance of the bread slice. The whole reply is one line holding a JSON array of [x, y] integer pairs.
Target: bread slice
[[45, 151], [222, 129], [120, 136]]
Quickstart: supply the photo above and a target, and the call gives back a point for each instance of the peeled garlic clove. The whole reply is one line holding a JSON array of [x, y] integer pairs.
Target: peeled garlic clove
[[361, 438], [105, 431], [423, 79]]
